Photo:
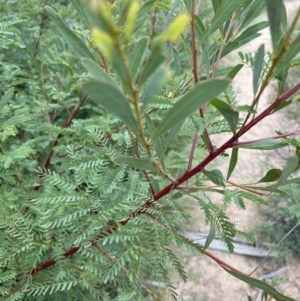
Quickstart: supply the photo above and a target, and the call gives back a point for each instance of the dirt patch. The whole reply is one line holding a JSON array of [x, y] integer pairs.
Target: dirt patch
[[208, 281]]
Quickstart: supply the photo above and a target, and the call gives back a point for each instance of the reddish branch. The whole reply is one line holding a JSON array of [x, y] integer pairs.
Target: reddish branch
[[195, 73], [65, 125], [191, 157], [217, 260], [264, 139], [189, 173], [46, 165], [172, 186], [222, 263]]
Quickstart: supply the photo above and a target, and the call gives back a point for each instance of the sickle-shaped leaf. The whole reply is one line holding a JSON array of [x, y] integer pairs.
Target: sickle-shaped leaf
[[158, 146], [238, 43], [81, 11], [216, 4], [114, 100], [271, 176], [282, 105], [252, 30], [136, 56], [286, 60], [97, 73], [235, 70], [141, 18], [267, 144], [245, 37], [230, 47], [69, 35], [176, 61], [211, 235], [290, 167], [173, 132], [256, 8], [188, 5], [216, 177], [199, 26], [189, 103], [229, 114], [15, 120], [155, 60], [274, 10], [259, 284], [138, 163], [233, 161], [258, 66], [298, 156], [155, 83], [6, 97], [221, 16]]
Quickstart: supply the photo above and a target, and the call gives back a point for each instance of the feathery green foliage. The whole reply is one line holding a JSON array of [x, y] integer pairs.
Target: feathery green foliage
[[96, 99]]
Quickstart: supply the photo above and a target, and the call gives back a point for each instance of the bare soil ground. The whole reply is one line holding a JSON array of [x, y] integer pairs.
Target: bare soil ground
[[208, 281]]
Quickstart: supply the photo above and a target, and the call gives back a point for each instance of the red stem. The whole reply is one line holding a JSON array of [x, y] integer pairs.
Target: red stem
[[192, 151], [219, 261], [195, 69], [263, 139], [211, 148], [143, 209], [65, 125], [222, 263]]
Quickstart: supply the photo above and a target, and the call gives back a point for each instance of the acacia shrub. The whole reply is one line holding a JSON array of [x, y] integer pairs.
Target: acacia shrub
[[96, 96]]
